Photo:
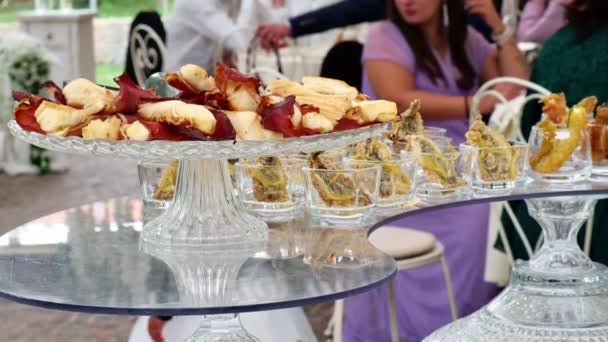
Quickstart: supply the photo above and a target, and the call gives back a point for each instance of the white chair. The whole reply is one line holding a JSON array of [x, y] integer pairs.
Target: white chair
[[148, 52], [411, 249]]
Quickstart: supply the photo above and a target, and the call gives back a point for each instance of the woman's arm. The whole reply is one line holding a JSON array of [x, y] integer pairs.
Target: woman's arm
[[400, 88], [538, 22], [505, 60]]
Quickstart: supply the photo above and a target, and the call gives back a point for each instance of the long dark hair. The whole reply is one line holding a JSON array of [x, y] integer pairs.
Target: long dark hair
[[587, 16], [457, 35]]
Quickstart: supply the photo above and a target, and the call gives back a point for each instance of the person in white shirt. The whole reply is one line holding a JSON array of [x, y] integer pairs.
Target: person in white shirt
[[196, 28]]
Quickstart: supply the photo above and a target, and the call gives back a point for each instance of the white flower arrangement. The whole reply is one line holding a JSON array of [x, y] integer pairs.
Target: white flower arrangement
[[24, 65]]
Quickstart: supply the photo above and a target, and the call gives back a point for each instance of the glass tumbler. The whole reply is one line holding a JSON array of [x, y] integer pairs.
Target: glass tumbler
[[560, 158], [343, 195], [271, 191], [441, 175], [397, 180], [157, 181], [598, 136], [494, 169]]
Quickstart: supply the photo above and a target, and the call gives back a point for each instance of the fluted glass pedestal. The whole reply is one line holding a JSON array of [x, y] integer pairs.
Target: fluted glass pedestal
[[559, 295], [207, 278]]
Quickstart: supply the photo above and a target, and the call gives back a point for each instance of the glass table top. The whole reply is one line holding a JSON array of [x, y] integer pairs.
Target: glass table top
[[88, 259]]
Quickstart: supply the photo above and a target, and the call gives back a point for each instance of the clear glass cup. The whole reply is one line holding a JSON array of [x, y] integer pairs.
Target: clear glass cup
[[329, 245], [272, 191], [558, 165], [344, 195], [494, 169], [598, 137], [397, 180], [157, 181], [440, 175]]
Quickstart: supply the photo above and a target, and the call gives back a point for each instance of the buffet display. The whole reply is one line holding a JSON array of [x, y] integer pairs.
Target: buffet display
[[324, 157]]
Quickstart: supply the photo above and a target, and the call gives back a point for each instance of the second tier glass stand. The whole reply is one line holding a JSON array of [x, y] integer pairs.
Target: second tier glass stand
[[559, 295]]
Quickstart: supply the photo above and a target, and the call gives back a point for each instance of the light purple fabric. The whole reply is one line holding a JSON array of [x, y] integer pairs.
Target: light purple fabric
[[422, 302], [538, 22]]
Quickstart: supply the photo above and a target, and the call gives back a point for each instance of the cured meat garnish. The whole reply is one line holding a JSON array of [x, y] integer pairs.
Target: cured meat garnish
[[241, 90], [178, 83], [214, 99], [130, 96], [162, 131], [278, 117], [268, 101], [54, 90], [223, 126], [26, 110]]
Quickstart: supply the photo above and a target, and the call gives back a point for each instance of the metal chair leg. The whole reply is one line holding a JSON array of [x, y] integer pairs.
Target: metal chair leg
[[448, 285], [392, 309]]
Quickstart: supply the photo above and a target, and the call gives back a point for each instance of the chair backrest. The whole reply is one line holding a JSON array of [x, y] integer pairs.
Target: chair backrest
[[147, 50], [343, 62]]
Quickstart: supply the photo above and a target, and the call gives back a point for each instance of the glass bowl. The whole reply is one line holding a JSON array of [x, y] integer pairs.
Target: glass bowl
[[559, 164], [272, 191], [397, 180], [344, 195], [440, 175], [495, 169], [598, 136]]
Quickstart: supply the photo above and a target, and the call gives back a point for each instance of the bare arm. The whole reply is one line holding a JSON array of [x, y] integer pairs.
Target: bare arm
[[401, 89]]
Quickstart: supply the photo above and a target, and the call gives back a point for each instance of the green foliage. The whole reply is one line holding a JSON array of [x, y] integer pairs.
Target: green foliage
[[105, 73]]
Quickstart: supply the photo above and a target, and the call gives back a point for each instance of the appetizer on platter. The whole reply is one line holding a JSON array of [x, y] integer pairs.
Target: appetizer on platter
[[496, 159], [335, 189], [230, 105], [553, 153], [393, 181]]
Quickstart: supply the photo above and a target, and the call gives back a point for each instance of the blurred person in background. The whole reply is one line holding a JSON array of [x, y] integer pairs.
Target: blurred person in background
[[540, 19], [431, 54], [341, 14], [573, 61], [196, 28]]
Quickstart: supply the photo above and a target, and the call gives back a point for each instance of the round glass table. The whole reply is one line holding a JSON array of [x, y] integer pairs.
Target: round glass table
[[89, 259]]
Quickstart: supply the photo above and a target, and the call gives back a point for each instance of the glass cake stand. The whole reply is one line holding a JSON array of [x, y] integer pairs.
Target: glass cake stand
[[558, 295], [204, 212]]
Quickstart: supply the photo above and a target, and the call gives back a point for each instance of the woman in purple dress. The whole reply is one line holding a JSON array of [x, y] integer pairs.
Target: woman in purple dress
[[426, 51]]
